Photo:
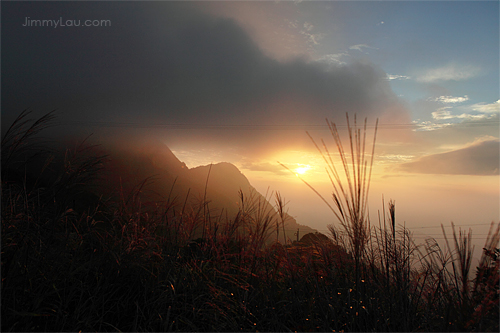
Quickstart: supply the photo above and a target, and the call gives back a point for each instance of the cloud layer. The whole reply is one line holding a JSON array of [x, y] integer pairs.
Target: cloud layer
[[450, 72], [171, 63], [481, 158]]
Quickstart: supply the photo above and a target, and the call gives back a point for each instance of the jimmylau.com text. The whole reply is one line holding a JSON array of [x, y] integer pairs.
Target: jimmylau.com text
[[28, 22]]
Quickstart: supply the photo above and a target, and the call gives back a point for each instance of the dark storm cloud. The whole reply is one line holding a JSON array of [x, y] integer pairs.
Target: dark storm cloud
[[167, 62], [478, 159]]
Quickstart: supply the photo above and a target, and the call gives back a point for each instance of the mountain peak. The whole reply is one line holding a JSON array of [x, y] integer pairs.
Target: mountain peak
[[219, 184]]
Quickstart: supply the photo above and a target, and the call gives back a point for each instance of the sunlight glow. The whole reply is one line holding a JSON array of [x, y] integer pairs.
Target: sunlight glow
[[302, 169]]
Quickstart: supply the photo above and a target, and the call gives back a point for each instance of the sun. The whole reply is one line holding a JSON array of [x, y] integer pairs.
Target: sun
[[302, 169]]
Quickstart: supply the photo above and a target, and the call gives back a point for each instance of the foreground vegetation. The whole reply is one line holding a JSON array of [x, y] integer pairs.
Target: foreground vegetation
[[72, 261]]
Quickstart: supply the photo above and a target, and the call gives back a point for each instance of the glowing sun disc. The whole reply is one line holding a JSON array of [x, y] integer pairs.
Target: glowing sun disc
[[302, 170]]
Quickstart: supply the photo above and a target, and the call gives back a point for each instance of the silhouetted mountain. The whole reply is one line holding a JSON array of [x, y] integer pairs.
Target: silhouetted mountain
[[131, 162]]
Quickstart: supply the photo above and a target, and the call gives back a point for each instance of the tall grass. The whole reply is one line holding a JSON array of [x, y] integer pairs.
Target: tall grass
[[21, 138], [402, 276], [131, 264], [351, 200], [350, 192]]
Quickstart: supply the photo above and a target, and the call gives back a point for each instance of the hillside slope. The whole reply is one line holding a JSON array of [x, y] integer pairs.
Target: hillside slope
[[168, 179]]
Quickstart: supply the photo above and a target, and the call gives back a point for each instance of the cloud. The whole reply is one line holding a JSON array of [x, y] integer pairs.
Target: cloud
[[480, 158], [397, 77], [394, 158], [360, 47], [334, 58], [450, 72], [274, 26], [478, 111], [449, 99], [487, 108], [426, 126], [308, 26], [444, 113], [264, 166], [170, 63], [312, 38]]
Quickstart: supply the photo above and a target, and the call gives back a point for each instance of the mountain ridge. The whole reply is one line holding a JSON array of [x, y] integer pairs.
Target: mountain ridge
[[222, 185]]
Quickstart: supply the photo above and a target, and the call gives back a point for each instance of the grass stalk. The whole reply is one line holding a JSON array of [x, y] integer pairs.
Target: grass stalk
[[126, 263]]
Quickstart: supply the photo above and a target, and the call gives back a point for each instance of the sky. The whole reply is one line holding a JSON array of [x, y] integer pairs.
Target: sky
[[243, 82]]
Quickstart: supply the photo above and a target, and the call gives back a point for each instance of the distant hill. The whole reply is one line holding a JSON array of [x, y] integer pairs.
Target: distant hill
[[133, 161]]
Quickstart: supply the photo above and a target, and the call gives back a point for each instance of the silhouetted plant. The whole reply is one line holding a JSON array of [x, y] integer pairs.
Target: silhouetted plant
[[129, 264], [19, 139]]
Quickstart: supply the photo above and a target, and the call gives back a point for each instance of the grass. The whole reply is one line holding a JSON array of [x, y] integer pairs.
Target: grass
[[89, 264]]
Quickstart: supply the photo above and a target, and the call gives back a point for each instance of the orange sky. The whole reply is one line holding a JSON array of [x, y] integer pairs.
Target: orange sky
[[423, 201]]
